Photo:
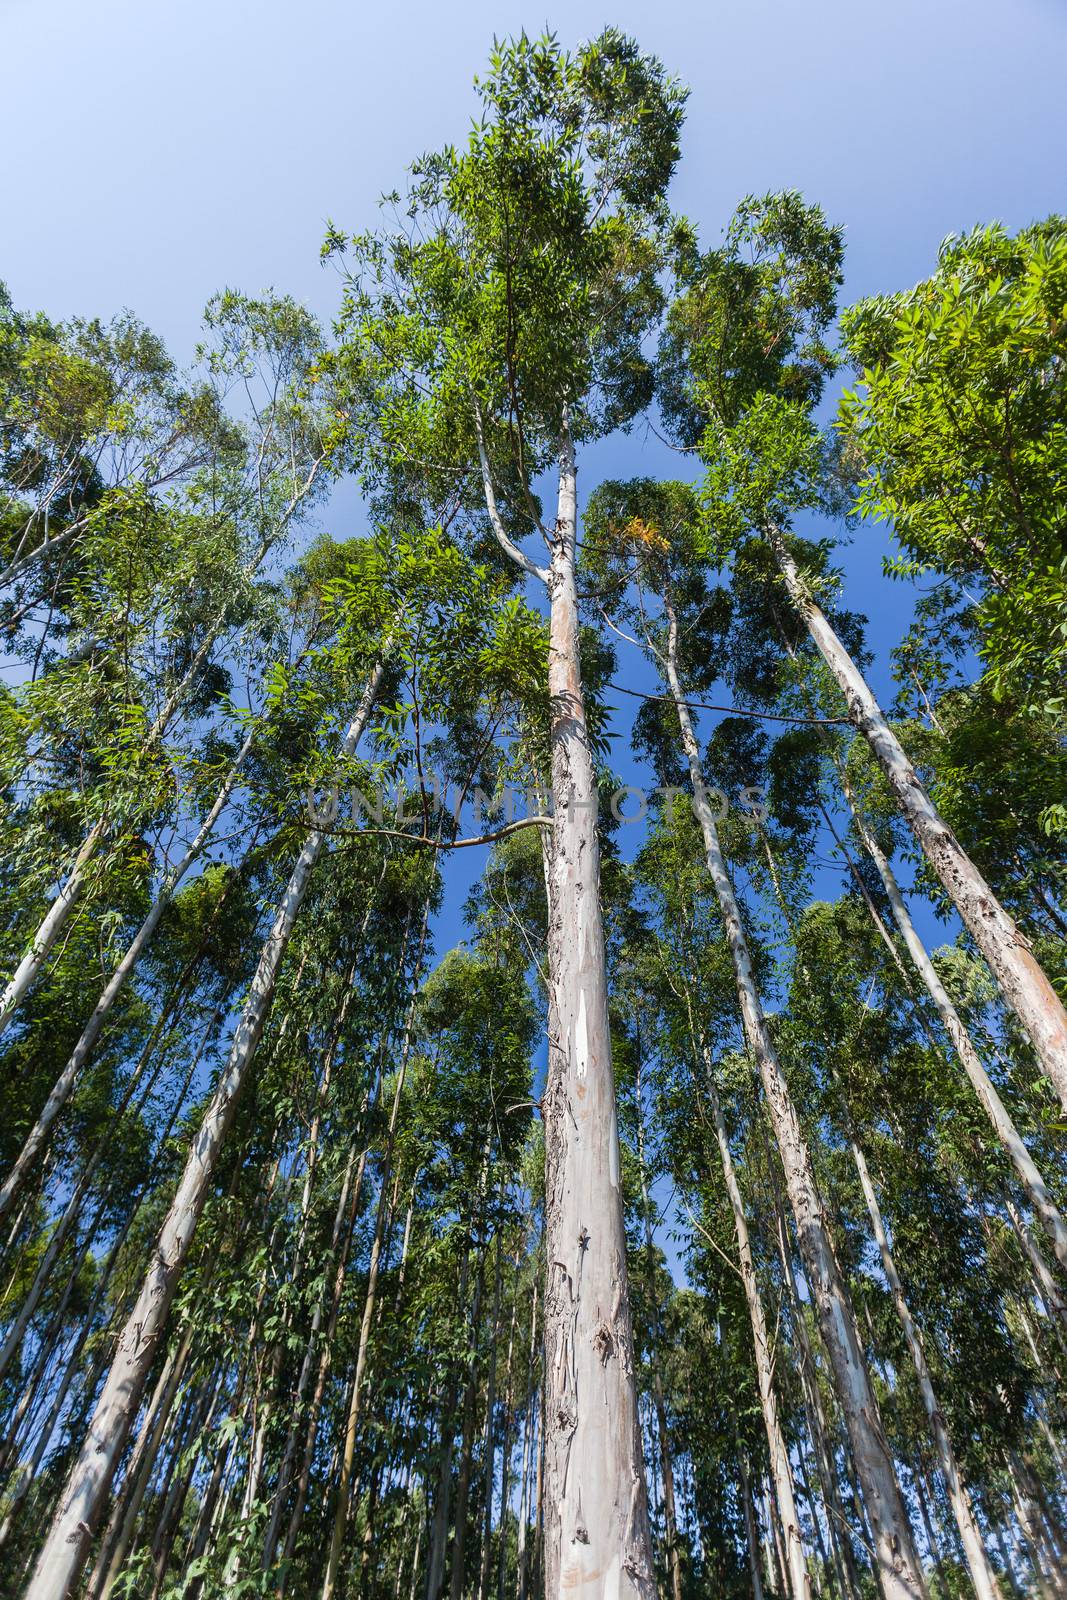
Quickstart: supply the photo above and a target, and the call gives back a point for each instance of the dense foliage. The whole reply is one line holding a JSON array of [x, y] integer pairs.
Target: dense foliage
[[280, 1257]]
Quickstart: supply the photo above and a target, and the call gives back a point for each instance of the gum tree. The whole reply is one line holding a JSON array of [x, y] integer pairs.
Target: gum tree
[[743, 360], [488, 339]]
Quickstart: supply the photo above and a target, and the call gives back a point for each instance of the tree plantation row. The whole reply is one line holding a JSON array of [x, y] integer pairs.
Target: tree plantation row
[[695, 1225]]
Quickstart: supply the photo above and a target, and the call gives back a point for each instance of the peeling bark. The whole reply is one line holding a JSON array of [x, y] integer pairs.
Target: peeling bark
[[596, 1533]]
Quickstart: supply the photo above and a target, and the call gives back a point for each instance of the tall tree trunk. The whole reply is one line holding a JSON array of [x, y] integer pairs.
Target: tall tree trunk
[[55, 918], [66, 1546], [1024, 1512], [505, 1447], [65, 1226], [1022, 981], [51, 927], [325, 1355], [1055, 1305], [982, 1575], [99, 1292], [435, 1569], [828, 1561], [899, 1568], [596, 1535], [119, 1535], [818, 1428], [281, 1487]]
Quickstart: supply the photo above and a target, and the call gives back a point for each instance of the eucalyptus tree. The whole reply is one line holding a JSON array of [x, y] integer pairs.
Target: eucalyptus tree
[[96, 418], [745, 359], [658, 523], [486, 339], [940, 1181], [665, 983], [396, 592], [157, 578]]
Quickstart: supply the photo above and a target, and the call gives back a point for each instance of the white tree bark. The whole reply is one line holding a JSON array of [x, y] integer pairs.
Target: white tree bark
[[898, 1563], [1022, 981], [63, 1555], [670, 1515], [982, 1576], [50, 928], [1048, 1289], [597, 1544]]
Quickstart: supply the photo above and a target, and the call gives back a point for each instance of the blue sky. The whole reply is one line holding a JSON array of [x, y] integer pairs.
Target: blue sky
[[152, 154]]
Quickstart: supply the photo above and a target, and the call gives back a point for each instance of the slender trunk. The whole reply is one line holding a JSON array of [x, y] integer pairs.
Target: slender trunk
[[795, 1564], [597, 1537], [1022, 981], [669, 1513], [50, 928], [827, 1562], [981, 1571], [527, 1439], [506, 1445], [64, 1227], [66, 1546], [899, 1567], [295, 1409], [1009, 1136], [117, 1539], [840, 1531], [314, 1410], [182, 1468], [356, 1390], [470, 1397], [56, 917], [435, 1570], [539, 1484], [1055, 1306], [779, 1546], [1024, 1512], [64, 1085], [489, 1442], [99, 1292], [751, 1534], [932, 1544], [205, 1520]]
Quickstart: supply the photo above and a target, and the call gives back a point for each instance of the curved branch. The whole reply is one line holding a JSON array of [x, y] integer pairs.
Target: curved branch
[[507, 544]]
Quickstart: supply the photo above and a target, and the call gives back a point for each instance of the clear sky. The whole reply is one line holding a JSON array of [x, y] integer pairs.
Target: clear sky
[[152, 153]]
